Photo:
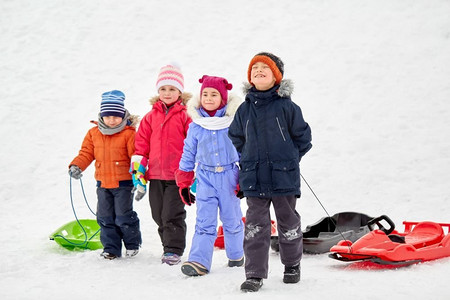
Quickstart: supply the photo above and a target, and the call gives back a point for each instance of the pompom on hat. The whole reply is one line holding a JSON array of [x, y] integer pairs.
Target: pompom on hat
[[170, 75], [218, 83], [274, 62], [112, 104]]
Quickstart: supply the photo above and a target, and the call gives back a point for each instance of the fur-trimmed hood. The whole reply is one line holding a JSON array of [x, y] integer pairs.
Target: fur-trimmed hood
[[285, 90], [232, 105], [185, 97], [134, 119]]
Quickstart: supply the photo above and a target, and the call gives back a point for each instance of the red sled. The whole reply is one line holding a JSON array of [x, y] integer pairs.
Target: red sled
[[421, 241], [220, 241]]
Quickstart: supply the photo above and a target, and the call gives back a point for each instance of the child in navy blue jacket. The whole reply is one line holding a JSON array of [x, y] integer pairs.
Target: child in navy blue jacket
[[271, 136]]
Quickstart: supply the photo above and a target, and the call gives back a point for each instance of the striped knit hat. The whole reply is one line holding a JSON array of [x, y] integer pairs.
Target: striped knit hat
[[274, 62], [170, 75], [112, 104]]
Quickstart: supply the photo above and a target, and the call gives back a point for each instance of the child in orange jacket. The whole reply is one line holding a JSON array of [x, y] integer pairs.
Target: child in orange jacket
[[111, 145]]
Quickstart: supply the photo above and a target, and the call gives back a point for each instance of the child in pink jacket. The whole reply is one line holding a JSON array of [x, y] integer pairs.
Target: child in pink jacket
[[159, 145]]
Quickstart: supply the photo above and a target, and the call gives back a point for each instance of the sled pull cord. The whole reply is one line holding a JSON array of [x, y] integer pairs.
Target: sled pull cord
[[74, 212], [86, 239], [334, 223], [84, 196]]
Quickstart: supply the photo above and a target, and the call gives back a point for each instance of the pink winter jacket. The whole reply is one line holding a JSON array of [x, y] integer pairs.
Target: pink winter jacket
[[160, 137]]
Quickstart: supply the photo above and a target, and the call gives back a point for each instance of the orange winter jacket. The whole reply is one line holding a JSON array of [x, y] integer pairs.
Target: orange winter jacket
[[112, 154]]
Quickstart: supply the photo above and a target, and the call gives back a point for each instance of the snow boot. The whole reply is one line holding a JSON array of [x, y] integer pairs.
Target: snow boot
[[170, 259], [236, 262], [132, 252], [291, 274], [107, 255], [251, 285], [192, 268]]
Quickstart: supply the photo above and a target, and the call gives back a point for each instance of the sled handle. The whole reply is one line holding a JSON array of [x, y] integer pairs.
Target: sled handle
[[409, 225], [377, 220]]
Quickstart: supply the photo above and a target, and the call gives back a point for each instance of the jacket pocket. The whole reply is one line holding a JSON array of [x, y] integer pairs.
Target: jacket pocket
[[285, 174], [247, 175], [98, 170], [121, 169]]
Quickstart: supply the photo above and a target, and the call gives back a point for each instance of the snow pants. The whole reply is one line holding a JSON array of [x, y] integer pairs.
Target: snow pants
[[117, 219], [257, 234], [169, 214], [216, 191]]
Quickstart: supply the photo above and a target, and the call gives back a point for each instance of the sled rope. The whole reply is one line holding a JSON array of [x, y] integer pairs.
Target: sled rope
[[334, 223], [86, 240], [84, 196]]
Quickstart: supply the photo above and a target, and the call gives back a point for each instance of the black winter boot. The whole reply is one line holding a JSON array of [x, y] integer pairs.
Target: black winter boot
[[252, 285], [291, 274], [236, 262], [107, 255]]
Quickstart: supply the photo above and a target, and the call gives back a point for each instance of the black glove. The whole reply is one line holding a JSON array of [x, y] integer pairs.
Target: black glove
[[239, 193], [186, 196], [75, 172]]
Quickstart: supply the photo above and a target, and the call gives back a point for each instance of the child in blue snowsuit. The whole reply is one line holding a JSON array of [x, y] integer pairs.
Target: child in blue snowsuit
[[207, 144]]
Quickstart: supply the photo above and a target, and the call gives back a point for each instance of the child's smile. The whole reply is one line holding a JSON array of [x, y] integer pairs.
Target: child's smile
[[210, 99], [262, 76], [169, 94]]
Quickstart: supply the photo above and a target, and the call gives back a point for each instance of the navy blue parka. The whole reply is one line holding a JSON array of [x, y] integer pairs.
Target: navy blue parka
[[271, 136]]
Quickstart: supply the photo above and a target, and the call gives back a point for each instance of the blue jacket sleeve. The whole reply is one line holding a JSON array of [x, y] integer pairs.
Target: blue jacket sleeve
[[236, 132], [300, 131], [187, 162]]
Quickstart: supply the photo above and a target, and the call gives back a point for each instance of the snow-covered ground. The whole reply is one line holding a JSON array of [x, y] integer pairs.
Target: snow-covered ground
[[372, 78]]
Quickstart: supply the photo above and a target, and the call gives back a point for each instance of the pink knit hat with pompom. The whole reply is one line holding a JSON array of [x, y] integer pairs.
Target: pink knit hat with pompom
[[218, 83]]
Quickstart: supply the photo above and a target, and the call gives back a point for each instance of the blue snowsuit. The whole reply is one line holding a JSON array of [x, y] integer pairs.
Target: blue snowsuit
[[207, 144]]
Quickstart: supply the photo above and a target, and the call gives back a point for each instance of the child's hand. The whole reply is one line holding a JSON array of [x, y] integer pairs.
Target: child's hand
[[140, 185], [186, 196], [137, 171], [184, 179], [140, 192], [239, 193], [139, 179], [75, 172]]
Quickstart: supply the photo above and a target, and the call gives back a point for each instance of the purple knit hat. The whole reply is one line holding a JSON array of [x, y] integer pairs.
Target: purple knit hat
[[218, 83]]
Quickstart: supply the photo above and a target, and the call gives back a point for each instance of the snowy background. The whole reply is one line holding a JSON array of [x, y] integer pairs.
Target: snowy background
[[372, 78]]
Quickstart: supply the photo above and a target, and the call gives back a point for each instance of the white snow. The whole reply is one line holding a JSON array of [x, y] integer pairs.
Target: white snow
[[372, 78]]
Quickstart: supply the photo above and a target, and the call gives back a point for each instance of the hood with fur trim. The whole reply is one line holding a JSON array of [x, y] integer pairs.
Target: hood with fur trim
[[134, 119], [232, 105], [285, 90], [184, 98]]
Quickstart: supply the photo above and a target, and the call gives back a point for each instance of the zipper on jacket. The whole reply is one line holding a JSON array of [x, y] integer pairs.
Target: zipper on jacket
[[246, 130], [279, 126]]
